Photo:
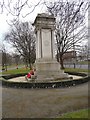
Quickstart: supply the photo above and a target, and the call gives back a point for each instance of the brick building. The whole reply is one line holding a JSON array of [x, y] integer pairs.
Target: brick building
[[69, 56]]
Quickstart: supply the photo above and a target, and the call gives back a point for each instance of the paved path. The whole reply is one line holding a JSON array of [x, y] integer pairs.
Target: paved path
[[22, 79], [43, 103]]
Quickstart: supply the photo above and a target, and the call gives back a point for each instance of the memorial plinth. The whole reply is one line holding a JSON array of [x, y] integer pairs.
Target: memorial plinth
[[47, 67]]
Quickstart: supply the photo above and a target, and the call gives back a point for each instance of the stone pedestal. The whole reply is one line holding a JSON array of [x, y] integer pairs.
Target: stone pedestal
[[47, 68]]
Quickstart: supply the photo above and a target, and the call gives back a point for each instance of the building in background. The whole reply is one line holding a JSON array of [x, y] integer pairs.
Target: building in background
[[69, 56]]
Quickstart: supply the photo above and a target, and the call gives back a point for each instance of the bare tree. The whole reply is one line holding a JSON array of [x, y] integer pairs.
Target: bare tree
[[83, 53], [69, 16], [16, 8], [22, 38], [70, 25], [6, 58], [16, 58]]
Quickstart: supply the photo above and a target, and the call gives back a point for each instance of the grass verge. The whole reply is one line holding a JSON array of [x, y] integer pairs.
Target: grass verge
[[76, 70], [24, 70], [16, 71], [78, 114]]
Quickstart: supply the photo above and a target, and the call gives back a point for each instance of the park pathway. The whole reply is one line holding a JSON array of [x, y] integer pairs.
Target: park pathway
[[43, 103]]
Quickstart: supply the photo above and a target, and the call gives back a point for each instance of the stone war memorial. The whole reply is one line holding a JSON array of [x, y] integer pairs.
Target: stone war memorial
[[47, 67]]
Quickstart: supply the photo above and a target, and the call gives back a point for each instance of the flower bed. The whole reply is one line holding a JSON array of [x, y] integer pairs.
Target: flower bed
[[53, 84]]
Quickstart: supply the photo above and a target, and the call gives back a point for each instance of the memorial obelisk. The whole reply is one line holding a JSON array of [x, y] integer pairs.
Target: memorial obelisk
[[47, 67]]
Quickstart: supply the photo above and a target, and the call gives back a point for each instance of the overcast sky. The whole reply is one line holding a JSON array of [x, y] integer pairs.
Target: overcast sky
[[38, 9], [4, 27], [3, 17]]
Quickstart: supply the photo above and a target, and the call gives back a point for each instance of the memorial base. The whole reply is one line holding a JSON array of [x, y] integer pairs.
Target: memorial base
[[49, 70]]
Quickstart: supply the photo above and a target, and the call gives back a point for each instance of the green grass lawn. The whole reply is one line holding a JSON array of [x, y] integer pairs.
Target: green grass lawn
[[16, 71], [76, 70], [24, 70], [77, 114]]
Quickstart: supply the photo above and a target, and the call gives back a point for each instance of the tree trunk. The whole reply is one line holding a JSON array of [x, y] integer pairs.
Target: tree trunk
[[30, 66], [61, 62], [6, 67], [26, 63], [57, 56]]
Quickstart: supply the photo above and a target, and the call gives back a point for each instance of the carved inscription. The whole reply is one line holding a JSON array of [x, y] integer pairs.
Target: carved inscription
[[46, 42]]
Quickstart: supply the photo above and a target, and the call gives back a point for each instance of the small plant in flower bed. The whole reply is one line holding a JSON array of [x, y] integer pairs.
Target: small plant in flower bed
[[30, 74]]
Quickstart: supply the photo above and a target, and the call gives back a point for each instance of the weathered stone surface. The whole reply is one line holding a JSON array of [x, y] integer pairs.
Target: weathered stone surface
[[46, 65], [49, 69]]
